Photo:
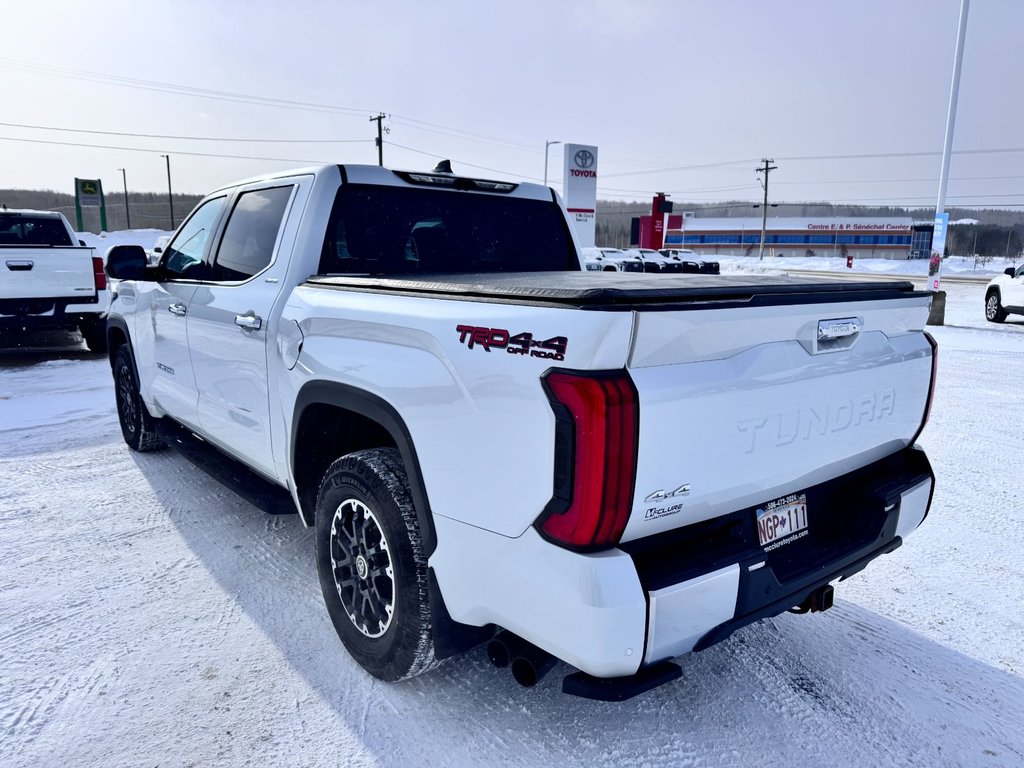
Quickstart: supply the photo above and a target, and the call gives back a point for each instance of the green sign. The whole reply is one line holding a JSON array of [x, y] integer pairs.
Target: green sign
[[89, 194]]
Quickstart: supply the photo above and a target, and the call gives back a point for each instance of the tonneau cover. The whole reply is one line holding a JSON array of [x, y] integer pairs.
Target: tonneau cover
[[622, 291]]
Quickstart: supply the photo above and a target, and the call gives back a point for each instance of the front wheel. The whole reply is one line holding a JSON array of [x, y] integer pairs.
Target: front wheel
[[994, 311], [137, 427], [373, 571]]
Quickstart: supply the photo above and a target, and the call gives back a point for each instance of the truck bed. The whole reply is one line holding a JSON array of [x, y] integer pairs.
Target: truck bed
[[623, 292]]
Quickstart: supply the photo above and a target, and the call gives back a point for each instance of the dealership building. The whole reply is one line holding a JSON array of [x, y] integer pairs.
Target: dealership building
[[869, 237]]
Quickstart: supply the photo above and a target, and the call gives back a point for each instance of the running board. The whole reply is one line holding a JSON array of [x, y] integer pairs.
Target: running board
[[236, 477], [621, 688]]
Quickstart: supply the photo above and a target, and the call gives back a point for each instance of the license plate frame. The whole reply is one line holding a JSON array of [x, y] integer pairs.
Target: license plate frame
[[782, 521]]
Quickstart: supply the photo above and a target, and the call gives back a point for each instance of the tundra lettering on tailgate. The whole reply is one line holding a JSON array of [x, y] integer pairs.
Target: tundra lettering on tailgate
[[518, 344], [788, 427]]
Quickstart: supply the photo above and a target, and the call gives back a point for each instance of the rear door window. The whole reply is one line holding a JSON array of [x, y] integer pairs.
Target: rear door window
[[247, 247]]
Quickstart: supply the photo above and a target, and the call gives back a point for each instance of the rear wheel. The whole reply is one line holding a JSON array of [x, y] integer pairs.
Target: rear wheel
[[95, 334], [137, 427], [373, 572], [994, 311]]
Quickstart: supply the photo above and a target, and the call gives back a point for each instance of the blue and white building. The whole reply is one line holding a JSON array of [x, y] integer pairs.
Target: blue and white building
[[866, 237]]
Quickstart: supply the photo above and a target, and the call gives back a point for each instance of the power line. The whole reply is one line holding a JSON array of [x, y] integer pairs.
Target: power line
[[732, 188], [185, 138], [175, 152], [801, 158], [463, 162], [162, 87], [903, 181]]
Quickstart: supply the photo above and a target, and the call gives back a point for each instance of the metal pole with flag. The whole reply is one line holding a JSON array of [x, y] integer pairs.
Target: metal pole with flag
[[938, 311]]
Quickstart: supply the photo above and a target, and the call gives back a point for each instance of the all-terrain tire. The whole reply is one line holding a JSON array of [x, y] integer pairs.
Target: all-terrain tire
[[994, 311], [380, 606], [95, 335], [137, 427]]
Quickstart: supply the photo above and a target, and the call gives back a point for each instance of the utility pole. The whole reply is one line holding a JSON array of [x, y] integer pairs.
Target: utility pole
[[379, 119], [127, 213], [768, 168], [170, 196]]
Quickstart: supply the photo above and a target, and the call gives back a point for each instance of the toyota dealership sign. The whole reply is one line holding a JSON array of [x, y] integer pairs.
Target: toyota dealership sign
[[580, 189]]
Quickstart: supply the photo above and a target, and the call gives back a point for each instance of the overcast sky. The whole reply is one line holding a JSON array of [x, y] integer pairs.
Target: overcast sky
[[656, 85]]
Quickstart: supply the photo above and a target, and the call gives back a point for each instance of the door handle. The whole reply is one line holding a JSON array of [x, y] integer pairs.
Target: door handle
[[177, 309], [20, 266], [249, 322]]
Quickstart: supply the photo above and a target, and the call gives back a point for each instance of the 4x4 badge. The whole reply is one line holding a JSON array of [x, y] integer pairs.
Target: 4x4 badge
[[682, 490]]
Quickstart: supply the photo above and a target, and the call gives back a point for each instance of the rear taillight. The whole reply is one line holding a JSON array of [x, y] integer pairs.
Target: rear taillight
[[99, 277], [595, 458], [931, 386]]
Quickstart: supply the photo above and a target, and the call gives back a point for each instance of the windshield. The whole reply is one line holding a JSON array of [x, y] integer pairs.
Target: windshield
[[17, 229], [384, 230]]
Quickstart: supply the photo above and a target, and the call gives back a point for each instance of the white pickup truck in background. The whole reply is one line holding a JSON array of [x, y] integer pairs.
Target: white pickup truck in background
[[48, 279], [492, 444]]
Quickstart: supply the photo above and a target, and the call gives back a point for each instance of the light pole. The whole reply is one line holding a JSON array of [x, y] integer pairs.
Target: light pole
[[170, 197], [127, 213], [547, 145], [937, 315]]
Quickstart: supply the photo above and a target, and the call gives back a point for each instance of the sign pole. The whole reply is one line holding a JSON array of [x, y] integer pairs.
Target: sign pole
[[78, 206], [938, 311], [103, 208]]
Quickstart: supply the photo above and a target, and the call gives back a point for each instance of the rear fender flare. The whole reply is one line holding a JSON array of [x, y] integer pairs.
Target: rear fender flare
[[383, 413]]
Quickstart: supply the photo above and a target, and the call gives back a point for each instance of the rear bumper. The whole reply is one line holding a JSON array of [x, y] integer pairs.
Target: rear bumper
[[51, 313], [610, 613]]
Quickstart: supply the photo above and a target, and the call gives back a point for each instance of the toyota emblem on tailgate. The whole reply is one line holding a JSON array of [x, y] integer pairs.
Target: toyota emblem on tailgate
[[829, 330]]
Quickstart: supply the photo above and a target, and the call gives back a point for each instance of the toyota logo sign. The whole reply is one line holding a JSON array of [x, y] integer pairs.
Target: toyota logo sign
[[584, 158]]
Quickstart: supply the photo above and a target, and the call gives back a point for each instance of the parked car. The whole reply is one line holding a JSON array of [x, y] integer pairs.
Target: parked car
[[1004, 295], [493, 445], [610, 260], [51, 280], [158, 249], [692, 262], [654, 261]]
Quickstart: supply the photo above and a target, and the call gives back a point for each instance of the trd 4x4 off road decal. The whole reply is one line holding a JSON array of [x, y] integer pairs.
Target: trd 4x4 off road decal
[[519, 344]]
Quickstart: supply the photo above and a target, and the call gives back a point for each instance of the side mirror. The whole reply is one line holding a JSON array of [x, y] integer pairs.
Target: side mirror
[[127, 262], [158, 249], [1010, 271]]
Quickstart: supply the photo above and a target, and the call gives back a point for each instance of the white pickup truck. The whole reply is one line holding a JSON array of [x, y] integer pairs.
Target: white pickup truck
[[492, 444], [49, 279]]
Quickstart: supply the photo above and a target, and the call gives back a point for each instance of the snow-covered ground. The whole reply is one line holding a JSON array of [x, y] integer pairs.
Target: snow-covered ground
[[953, 266], [101, 242], [151, 617]]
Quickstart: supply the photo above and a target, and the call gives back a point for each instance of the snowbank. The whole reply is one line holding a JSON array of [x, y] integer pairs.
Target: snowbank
[[106, 240]]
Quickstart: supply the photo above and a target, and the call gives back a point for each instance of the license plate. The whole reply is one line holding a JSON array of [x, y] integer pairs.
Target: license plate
[[782, 521]]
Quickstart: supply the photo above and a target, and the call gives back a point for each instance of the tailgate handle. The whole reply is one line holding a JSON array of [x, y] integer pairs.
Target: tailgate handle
[[836, 334], [20, 266]]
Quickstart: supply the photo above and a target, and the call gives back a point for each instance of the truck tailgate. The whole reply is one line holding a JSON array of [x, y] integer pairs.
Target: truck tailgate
[[744, 404], [47, 273]]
